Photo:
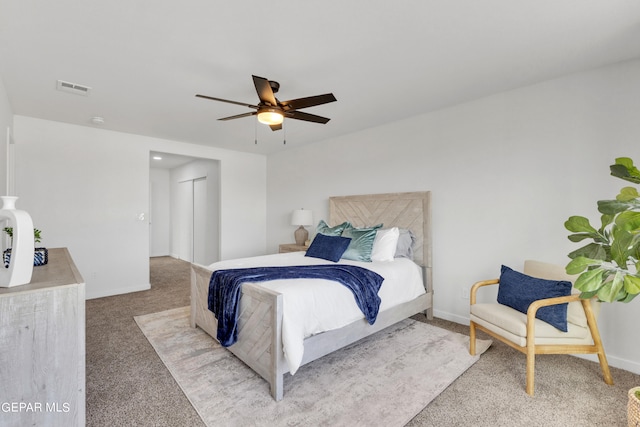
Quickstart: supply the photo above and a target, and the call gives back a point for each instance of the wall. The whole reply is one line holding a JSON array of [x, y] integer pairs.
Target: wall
[[159, 215], [505, 173], [6, 122], [85, 189]]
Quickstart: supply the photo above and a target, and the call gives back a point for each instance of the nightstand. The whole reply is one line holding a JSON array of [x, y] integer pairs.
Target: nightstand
[[292, 247]]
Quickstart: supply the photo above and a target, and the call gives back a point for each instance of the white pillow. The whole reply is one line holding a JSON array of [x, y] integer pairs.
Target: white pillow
[[384, 245]]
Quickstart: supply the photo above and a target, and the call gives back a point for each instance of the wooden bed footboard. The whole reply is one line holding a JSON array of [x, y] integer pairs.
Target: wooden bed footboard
[[259, 342], [259, 327]]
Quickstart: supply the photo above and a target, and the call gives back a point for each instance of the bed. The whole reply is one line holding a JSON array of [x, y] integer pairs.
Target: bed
[[260, 340]]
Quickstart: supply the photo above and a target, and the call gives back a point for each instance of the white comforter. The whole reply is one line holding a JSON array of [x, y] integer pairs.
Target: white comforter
[[324, 305]]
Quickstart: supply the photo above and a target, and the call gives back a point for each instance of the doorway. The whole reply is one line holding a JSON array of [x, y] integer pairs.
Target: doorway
[[184, 208]]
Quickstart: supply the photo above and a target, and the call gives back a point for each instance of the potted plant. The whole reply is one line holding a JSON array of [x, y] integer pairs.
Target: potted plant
[[40, 255], [633, 407], [609, 266]]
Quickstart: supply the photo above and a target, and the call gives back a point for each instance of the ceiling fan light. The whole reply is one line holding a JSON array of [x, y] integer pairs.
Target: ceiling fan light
[[270, 117]]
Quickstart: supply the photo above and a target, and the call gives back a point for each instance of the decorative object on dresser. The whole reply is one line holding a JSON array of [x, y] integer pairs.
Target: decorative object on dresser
[[291, 247], [20, 270], [301, 217], [40, 255], [261, 336], [42, 362]]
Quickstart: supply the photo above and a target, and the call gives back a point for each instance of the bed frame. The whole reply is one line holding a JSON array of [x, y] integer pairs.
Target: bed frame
[[259, 342]]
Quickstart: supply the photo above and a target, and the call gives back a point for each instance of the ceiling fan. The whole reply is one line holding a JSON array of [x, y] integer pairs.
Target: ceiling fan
[[271, 111]]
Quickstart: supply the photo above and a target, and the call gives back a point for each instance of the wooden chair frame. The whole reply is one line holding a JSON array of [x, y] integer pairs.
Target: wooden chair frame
[[531, 348]]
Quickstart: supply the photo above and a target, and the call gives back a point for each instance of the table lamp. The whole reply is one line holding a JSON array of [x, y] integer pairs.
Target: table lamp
[[301, 217]]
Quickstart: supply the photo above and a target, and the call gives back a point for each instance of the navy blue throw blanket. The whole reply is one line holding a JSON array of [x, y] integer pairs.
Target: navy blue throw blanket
[[224, 290]]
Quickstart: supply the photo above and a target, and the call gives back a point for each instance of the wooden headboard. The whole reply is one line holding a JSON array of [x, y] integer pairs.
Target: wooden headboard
[[405, 210]]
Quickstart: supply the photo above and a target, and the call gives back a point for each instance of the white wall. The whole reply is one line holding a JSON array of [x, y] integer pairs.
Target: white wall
[[159, 216], [506, 171], [85, 188], [6, 122]]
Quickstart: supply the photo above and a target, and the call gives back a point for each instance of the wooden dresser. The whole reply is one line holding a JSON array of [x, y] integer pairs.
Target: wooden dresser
[[42, 347]]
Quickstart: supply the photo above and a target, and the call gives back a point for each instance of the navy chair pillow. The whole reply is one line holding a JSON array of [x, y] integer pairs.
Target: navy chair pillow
[[518, 291], [330, 248]]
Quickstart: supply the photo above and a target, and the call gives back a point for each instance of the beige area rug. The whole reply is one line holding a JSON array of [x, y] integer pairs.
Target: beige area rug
[[383, 380]]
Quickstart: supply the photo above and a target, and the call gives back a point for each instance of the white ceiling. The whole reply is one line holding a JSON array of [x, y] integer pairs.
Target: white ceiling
[[146, 59]]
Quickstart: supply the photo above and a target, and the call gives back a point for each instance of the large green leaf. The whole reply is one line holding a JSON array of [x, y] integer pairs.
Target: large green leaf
[[588, 295], [629, 221], [611, 290], [621, 246], [606, 220], [628, 194], [579, 237], [629, 298], [594, 251], [579, 264], [579, 224], [590, 280], [624, 168], [612, 207], [632, 284]]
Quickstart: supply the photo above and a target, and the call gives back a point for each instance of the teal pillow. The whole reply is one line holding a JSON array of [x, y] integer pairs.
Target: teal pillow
[[361, 242], [323, 228]]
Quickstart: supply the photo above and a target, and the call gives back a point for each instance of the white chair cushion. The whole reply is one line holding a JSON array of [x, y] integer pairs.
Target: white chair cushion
[[512, 325]]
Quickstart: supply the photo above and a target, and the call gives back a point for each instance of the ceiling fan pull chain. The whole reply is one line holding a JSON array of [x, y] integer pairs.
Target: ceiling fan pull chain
[[255, 131], [284, 139]]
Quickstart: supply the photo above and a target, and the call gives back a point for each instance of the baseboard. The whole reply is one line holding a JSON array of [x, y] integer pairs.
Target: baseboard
[[451, 317], [613, 360], [116, 291]]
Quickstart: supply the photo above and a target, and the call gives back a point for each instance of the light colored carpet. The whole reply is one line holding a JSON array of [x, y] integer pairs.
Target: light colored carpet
[[385, 379]]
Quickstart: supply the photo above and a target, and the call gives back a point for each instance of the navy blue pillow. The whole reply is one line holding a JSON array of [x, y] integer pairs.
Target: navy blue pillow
[[518, 291], [330, 248]]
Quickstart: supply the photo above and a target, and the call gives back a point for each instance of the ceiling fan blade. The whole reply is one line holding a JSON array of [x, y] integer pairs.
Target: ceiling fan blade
[[276, 127], [310, 101], [226, 100], [265, 93], [299, 115], [237, 116]]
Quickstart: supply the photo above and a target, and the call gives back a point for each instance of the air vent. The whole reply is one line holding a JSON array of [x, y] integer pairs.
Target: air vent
[[73, 88]]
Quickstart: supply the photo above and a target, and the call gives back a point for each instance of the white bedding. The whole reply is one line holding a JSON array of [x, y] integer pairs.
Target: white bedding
[[324, 305]]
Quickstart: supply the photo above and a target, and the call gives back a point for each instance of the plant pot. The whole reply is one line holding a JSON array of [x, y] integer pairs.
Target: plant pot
[[633, 408], [40, 257]]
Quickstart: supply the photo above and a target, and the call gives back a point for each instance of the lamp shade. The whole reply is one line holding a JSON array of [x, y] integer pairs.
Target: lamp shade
[[270, 116], [302, 217]]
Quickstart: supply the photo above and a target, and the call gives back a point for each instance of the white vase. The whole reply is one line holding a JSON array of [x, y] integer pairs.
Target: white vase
[[21, 265]]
